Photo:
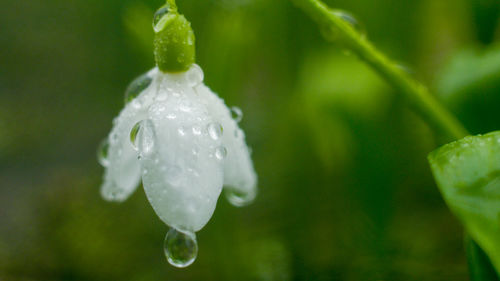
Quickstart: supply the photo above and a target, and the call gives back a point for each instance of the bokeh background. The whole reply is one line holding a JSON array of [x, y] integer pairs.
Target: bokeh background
[[345, 190]]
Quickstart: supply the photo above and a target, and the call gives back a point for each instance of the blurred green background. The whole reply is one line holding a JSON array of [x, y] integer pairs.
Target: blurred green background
[[345, 190]]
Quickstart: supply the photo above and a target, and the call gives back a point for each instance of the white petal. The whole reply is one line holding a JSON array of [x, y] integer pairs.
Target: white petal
[[122, 173], [240, 178], [181, 175]]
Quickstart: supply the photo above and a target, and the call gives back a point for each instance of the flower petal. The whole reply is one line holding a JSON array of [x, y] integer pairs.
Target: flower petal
[[240, 178], [181, 174], [122, 173]]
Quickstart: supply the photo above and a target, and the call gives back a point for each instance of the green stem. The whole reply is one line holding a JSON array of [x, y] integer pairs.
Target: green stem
[[417, 94], [172, 4]]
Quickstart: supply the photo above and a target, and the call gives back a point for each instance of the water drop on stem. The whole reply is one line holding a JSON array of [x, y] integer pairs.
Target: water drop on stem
[[351, 20]]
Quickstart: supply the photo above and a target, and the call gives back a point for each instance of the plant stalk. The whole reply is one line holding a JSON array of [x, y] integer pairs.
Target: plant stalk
[[419, 97]]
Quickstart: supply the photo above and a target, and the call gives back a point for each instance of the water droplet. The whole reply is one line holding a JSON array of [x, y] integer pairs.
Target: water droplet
[[102, 153], [239, 198], [114, 138], [237, 133], [146, 137], [133, 134], [236, 113], [215, 130], [194, 76], [173, 175], [113, 193], [196, 130], [160, 18], [171, 116], [180, 248], [181, 131], [220, 152], [136, 87], [351, 20], [405, 68]]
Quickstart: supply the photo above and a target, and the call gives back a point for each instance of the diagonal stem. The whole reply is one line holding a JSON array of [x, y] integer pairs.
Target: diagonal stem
[[419, 97]]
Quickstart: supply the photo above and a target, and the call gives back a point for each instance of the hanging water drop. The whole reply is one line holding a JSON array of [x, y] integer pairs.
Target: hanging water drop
[[236, 114], [239, 198], [133, 134], [136, 87], [351, 20], [215, 130], [102, 153], [220, 152], [180, 248], [160, 18]]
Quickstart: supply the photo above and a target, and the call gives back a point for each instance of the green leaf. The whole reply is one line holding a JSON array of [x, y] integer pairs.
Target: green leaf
[[480, 267], [468, 175]]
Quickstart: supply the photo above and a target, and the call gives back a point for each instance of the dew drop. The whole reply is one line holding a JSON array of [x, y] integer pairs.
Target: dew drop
[[405, 68], [114, 193], [160, 18], [196, 130], [236, 114], [239, 198], [102, 153], [351, 20], [215, 130], [133, 134], [146, 137], [180, 248], [136, 87], [194, 76], [220, 152], [181, 131], [173, 174]]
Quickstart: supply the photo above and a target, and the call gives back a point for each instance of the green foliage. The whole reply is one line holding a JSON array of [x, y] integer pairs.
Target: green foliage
[[469, 84], [468, 174], [480, 267]]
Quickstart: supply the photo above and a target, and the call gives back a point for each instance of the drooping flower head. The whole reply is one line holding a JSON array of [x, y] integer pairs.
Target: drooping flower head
[[179, 138]]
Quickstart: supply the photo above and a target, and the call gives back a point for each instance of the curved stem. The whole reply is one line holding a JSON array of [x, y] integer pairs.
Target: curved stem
[[172, 4], [417, 94]]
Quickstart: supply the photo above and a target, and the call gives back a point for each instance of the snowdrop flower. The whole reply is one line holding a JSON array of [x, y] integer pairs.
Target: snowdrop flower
[[179, 138]]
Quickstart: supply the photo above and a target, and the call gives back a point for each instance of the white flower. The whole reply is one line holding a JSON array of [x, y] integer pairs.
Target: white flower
[[181, 139]]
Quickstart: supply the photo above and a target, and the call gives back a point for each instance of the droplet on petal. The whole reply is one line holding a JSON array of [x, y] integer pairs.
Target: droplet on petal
[[136, 87], [194, 76], [236, 114], [146, 137], [102, 153], [239, 197], [181, 248], [133, 134], [215, 130], [220, 152]]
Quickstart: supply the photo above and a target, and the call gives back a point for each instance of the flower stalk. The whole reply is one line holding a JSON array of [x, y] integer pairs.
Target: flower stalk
[[419, 97]]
